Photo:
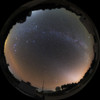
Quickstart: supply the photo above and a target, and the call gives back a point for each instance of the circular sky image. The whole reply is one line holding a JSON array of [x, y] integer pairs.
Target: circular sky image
[[50, 50]]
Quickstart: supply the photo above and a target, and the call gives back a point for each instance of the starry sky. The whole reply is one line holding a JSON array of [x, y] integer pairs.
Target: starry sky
[[51, 46]]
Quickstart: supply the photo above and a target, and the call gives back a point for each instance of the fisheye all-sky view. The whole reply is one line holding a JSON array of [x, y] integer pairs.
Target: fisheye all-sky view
[[51, 46]]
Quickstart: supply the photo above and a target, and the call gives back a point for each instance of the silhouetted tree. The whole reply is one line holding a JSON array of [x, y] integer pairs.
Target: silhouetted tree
[[68, 86], [64, 87], [58, 89], [28, 83]]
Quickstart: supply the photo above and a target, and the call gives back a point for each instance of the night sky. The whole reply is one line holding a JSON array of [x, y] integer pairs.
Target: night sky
[[51, 46]]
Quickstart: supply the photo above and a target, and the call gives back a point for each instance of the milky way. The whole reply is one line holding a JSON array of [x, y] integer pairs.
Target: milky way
[[51, 46]]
